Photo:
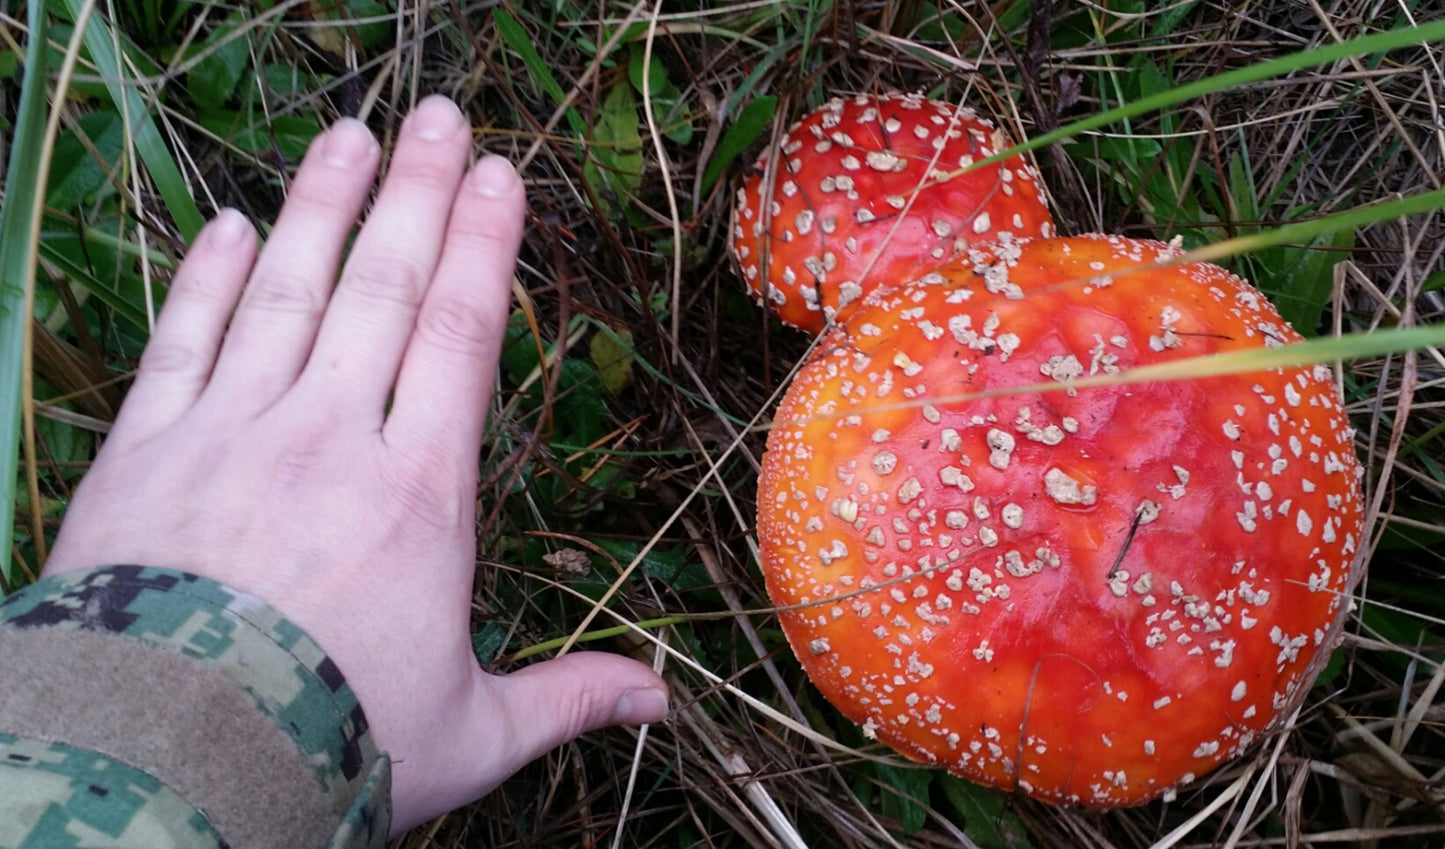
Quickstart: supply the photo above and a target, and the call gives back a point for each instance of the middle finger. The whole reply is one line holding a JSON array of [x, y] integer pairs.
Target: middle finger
[[373, 312]]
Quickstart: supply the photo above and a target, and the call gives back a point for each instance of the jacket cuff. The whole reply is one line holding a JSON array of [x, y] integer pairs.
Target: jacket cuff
[[205, 689]]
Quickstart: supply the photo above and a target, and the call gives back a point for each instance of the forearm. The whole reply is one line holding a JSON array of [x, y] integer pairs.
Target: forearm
[[147, 706]]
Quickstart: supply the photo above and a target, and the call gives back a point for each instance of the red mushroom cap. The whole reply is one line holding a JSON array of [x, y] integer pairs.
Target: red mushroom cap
[[871, 177], [1092, 595]]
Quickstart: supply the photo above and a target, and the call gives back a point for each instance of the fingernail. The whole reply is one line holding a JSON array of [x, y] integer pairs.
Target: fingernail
[[348, 143], [638, 707], [434, 118], [493, 176], [228, 228]]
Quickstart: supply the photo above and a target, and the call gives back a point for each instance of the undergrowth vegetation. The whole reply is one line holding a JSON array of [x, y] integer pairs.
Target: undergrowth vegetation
[[638, 378]]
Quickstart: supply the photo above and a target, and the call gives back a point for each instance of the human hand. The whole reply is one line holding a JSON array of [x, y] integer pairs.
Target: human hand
[[264, 455]]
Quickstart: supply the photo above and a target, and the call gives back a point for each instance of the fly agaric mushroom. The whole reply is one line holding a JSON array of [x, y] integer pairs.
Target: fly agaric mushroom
[[865, 190], [1090, 595]]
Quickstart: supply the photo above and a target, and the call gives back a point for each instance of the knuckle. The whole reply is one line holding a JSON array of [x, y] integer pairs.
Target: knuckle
[[199, 288], [387, 280], [314, 194], [588, 708], [171, 358], [427, 495], [285, 292], [307, 455], [456, 325], [433, 175], [492, 234]]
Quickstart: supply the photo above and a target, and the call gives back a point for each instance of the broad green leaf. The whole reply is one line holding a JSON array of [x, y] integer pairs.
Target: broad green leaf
[[984, 818], [670, 565], [519, 348], [93, 266], [903, 794], [1301, 278], [288, 81], [751, 121], [288, 134], [579, 413], [76, 177], [488, 642], [614, 164], [668, 108], [214, 79]]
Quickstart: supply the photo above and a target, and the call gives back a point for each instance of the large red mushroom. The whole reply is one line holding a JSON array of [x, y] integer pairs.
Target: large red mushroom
[[1091, 595], [867, 189]]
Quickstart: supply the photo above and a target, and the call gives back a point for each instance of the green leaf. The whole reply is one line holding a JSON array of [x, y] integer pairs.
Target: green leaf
[[519, 348], [64, 443], [76, 177], [579, 412], [752, 121], [217, 77], [614, 166], [288, 81], [288, 134], [1147, 78], [86, 262], [985, 820], [668, 107], [378, 31], [488, 642], [903, 794], [672, 567], [1300, 279]]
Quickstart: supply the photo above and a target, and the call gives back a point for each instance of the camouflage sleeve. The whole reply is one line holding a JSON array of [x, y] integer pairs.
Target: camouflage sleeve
[[148, 707]]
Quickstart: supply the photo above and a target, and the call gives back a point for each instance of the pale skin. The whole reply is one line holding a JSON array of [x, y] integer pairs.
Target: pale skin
[[256, 447]]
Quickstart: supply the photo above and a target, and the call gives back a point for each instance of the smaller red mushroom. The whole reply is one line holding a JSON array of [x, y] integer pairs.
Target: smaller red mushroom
[[866, 190], [1090, 595]]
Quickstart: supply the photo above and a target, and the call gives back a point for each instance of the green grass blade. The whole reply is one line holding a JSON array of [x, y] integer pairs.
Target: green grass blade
[[1362, 46], [1352, 346], [520, 41], [1302, 232], [18, 224], [146, 138]]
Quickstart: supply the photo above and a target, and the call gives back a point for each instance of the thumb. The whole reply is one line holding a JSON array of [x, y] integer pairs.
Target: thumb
[[549, 703], [512, 720]]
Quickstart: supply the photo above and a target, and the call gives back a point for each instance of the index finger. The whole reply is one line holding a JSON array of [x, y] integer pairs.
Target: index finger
[[440, 402]]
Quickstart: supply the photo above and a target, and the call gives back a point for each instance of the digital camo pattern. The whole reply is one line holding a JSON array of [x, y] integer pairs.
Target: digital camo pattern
[[57, 796], [365, 826], [289, 677]]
